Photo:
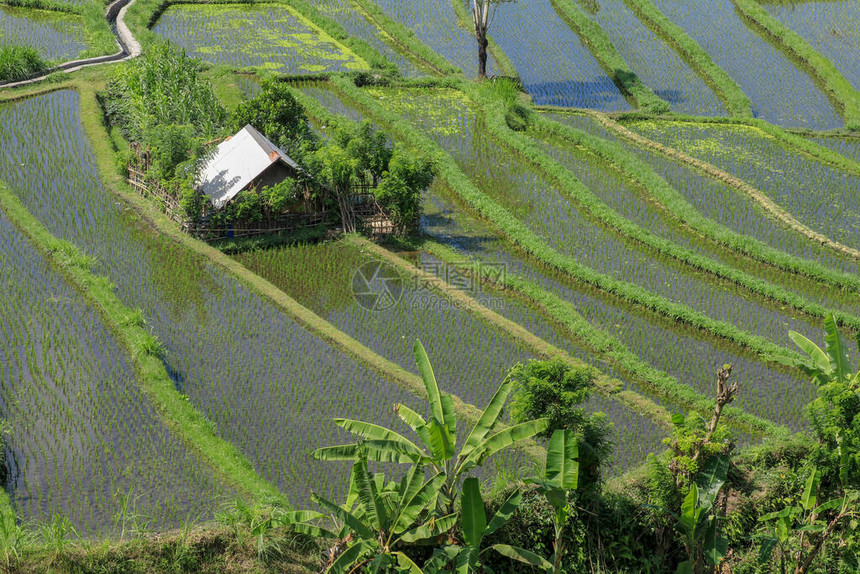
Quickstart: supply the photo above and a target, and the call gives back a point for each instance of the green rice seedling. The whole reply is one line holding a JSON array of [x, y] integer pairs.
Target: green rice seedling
[[272, 37]]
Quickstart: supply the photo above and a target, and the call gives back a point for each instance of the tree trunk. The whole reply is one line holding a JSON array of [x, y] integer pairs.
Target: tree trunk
[[482, 55]]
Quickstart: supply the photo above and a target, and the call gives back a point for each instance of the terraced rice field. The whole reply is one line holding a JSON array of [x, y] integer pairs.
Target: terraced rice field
[[832, 28], [345, 13], [436, 25], [84, 435], [824, 198], [250, 369], [768, 393], [554, 65], [448, 128], [57, 37], [780, 91], [653, 60], [605, 268], [270, 37], [549, 211], [735, 211], [321, 278]]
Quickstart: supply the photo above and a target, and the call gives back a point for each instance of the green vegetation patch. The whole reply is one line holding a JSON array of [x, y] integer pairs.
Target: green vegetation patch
[[271, 37]]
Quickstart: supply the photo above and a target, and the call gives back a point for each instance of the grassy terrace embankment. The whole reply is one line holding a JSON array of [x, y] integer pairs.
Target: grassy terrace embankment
[[607, 55], [723, 85], [834, 83], [198, 432], [676, 205]]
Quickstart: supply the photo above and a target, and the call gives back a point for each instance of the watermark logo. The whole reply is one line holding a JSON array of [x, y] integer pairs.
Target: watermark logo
[[377, 286]]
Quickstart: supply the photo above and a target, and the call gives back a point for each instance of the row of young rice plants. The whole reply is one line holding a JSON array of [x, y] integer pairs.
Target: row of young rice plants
[[636, 435], [554, 65], [547, 209], [435, 24], [572, 271], [57, 36], [270, 387], [654, 61], [831, 28], [729, 208], [581, 153], [270, 36], [780, 91], [85, 442], [681, 352], [825, 198], [344, 13]]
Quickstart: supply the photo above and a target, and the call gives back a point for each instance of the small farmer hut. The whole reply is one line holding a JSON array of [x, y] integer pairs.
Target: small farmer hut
[[244, 161]]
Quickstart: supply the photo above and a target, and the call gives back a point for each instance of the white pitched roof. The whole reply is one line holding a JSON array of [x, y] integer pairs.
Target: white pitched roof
[[236, 163]]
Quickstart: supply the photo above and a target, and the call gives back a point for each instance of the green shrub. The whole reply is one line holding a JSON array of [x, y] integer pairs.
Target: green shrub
[[555, 390]]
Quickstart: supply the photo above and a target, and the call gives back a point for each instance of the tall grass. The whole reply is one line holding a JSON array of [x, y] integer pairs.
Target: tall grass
[[19, 63]]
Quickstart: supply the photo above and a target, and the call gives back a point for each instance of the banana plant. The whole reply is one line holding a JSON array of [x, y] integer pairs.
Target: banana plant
[[799, 532], [697, 521], [561, 475], [837, 411], [438, 447], [379, 518], [466, 558]]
